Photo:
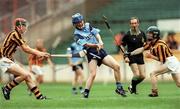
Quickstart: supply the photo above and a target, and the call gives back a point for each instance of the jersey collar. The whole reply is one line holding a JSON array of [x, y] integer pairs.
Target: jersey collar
[[135, 33]]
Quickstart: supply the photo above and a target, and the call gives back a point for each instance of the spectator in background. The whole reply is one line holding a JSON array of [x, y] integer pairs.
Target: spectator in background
[[36, 63], [171, 41], [77, 67], [118, 40]]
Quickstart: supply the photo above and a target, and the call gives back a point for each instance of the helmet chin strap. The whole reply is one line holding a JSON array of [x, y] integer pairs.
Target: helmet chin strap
[[20, 29]]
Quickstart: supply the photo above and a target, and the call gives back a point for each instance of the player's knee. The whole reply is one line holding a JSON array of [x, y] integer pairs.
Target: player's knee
[[40, 81], [117, 67], [23, 76], [27, 77]]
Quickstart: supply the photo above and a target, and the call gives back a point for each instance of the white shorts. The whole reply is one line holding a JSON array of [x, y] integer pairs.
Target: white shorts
[[37, 69], [173, 64], [5, 64]]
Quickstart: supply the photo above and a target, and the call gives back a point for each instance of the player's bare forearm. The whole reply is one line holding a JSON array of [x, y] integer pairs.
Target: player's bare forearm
[[29, 50], [137, 51], [155, 58], [99, 39], [91, 45]]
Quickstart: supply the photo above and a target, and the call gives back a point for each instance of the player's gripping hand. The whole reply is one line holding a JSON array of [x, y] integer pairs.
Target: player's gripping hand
[[100, 46], [44, 55], [149, 55], [126, 59], [127, 54]]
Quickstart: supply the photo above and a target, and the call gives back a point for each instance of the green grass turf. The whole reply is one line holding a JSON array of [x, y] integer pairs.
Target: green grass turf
[[101, 97]]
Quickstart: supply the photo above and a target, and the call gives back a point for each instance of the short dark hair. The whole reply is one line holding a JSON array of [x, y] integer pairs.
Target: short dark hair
[[134, 17], [171, 33]]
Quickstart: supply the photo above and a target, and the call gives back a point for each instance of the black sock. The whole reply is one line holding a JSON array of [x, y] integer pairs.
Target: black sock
[[135, 81], [139, 80]]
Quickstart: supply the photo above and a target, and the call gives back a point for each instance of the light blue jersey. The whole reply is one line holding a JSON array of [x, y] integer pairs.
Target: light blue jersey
[[86, 35], [75, 48]]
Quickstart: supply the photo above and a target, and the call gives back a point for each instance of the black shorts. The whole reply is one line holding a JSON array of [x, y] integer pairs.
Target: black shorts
[[75, 67], [138, 59], [92, 53]]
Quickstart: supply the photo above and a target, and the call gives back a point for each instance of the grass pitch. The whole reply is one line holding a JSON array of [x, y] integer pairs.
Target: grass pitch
[[101, 97]]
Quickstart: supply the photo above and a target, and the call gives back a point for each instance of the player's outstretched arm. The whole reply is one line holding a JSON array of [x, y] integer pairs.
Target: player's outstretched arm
[[29, 50], [137, 51], [89, 45]]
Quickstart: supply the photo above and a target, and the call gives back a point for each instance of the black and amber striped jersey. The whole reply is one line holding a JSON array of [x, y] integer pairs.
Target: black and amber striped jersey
[[160, 49], [10, 44]]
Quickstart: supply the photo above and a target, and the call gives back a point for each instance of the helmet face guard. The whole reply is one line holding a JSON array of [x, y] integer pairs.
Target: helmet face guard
[[21, 25], [18, 22], [154, 31], [76, 18]]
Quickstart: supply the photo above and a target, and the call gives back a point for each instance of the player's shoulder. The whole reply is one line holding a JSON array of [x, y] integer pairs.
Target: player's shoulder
[[16, 33], [87, 24], [76, 32], [161, 42], [73, 44], [12, 33]]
